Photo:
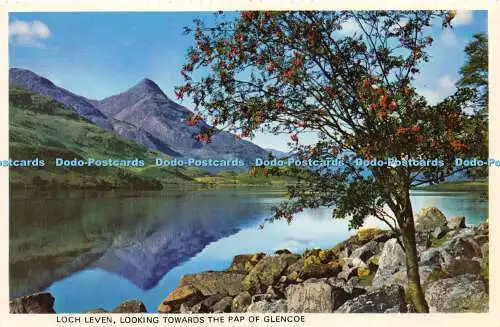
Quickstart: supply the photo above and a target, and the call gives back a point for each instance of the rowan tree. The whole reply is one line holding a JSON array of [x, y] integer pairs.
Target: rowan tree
[[290, 72]]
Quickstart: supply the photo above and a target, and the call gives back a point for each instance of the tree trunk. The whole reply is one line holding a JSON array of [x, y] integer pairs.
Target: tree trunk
[[415, 292]]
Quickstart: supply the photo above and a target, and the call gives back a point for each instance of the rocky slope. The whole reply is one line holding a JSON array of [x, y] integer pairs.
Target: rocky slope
[[365, 273]]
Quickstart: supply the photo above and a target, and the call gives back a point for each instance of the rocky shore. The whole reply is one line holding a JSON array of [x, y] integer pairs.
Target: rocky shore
[[365, 273]]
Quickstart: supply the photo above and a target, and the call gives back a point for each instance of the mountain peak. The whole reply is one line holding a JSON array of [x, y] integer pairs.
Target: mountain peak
[[147, 86]]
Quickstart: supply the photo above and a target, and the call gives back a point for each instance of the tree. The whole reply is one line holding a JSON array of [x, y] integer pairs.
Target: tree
[[474, 75], [289, 72]]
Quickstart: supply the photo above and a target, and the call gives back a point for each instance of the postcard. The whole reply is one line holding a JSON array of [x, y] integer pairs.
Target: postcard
[[215, 164]]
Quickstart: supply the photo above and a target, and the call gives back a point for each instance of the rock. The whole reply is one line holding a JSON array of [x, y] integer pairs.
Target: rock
[[293, 277], [485, 255], [463, 247], [296, 266], [461, 267], [97, 310], [428, 219], [182, 294], [464, 293], [320, 270], [241, 302], [347, 272], [456, 222], [481, 239], [392, 259], [35, 303], [274, 292], [130, 306], [224, 305], [282, 251], [186, 308], [266, 272], [431, 257], [277, 306], [359, 256], [315, 296], [347, 286], [240, 262], [206, 305], [440, 231], [387, 299], [210, 283]]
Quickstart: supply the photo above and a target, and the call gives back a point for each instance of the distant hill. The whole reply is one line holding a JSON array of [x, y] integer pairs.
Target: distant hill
[[44, 128], [144, 114]]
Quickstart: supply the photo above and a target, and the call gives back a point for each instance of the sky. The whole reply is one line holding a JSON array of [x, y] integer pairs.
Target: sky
[[101, 54]]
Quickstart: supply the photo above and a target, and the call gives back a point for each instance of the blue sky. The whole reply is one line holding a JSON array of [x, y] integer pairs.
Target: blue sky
[[100, 54]]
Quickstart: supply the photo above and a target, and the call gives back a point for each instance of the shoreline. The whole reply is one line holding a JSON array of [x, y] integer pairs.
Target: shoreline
[[358, 268]]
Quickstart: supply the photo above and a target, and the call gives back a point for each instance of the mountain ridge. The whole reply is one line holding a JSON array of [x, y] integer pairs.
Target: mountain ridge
[[146, 115]]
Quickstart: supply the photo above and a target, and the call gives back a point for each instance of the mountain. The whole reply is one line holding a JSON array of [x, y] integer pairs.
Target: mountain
[[33, 82], [145, 115], [147, 107]]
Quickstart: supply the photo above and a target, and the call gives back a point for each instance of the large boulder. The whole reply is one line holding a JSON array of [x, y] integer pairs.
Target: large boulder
[[462, 246], [428, 219], [387, 299], [213, 282], [268, 306], [462, 266], [35, 303], [207, 304], [183, 294], [266, 272], [360, 256], [130, 306], [315, 296], [464, 293], [392, 260]]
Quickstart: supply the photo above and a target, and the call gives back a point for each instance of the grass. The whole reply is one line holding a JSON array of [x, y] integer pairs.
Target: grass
[[463, 186], [243, 179]]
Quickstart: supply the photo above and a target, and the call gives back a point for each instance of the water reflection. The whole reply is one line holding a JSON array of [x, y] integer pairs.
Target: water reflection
[[98, 249]]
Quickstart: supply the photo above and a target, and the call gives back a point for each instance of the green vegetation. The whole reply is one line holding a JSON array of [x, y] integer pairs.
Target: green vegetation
[[366, 280], [244, 179], [438, 242], [466, 186], [40, 127]]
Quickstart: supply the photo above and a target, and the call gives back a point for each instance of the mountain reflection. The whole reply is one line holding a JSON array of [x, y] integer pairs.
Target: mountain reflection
[[140, 237]]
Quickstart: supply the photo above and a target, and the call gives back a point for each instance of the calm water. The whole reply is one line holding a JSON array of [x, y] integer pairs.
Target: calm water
[[98, 249]]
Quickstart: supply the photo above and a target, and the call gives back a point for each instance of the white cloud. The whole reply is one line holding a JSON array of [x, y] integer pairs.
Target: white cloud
[[447, 83], [432, 96], [463, 17], [446, 87], [31, 34]]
